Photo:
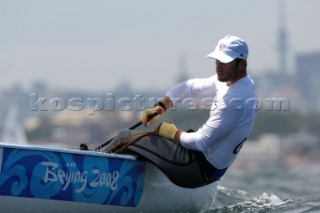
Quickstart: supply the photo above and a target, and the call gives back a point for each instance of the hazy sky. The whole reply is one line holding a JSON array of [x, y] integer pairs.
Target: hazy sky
[[97, 44]]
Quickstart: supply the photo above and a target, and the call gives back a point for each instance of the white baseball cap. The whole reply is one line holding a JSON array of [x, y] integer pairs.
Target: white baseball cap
[[230, 48]]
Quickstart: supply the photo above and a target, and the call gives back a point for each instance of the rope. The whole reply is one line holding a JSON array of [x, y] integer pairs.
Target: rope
[[127, 141]]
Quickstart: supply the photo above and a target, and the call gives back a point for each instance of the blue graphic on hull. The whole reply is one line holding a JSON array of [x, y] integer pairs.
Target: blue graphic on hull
[[71, 177]]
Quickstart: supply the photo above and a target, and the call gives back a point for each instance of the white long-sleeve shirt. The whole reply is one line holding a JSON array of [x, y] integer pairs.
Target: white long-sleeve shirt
[[231, 119]]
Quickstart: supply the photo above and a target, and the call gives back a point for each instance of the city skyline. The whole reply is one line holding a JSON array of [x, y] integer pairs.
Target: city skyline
[[98, 45]]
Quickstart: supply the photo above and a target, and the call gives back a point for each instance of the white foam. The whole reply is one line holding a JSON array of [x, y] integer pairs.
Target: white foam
[[273, 200]]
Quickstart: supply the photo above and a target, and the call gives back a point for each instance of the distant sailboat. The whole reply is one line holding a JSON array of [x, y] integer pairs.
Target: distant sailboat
[[13, 131]]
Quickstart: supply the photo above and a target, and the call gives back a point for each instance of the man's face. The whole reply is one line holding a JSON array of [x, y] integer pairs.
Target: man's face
[[228, 72]]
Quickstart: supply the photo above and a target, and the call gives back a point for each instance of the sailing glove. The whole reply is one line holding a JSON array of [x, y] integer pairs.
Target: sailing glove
[[167, 130], [146, 116]]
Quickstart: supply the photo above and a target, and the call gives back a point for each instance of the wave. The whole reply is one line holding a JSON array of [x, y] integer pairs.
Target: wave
[[235, 200]]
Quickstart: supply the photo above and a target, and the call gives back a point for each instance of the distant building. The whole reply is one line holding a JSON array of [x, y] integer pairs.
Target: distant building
[[261, 154], [308, 77]]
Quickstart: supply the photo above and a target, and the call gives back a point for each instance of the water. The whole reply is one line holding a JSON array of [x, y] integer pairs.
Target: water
[[270, 190]]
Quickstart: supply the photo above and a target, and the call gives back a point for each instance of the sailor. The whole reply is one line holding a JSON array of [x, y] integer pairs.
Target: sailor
[[233, 112]]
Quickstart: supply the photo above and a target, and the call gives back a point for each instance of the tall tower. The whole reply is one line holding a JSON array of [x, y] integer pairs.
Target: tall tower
[[183, 70], [282, 39]]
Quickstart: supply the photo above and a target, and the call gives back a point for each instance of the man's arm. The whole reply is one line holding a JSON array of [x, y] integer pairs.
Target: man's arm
[[167, 102]]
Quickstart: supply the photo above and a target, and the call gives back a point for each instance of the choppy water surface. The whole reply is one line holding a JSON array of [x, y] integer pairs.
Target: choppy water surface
[[270, 190]]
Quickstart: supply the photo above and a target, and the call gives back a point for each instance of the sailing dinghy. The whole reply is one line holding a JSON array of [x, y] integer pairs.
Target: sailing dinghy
[[37, 178]]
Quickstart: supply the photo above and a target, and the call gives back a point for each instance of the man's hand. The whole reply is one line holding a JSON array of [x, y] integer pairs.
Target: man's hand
[[145, 116], [167, 130]]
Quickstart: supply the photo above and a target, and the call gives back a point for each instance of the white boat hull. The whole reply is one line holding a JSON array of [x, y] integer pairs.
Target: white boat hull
[[158, 195]]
